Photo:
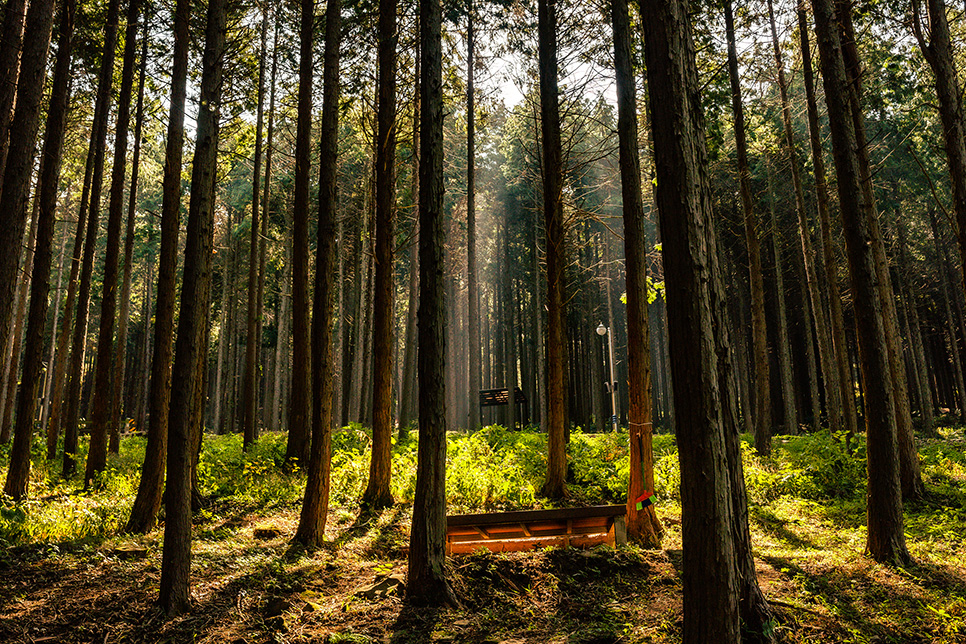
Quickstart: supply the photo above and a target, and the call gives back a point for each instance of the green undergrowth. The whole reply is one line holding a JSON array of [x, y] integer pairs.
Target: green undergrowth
[[488, 470]]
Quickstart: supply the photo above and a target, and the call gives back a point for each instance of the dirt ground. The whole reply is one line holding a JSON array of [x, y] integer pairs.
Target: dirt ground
[[250, 586]]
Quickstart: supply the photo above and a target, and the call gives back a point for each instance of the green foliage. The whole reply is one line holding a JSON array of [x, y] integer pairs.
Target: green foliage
[[495, 468], [256, 477]]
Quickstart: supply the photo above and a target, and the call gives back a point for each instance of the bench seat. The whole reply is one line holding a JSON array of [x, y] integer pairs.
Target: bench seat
[[528, 529]]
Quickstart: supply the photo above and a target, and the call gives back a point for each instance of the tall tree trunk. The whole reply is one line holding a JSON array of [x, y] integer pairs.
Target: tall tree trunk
[[55, 420], [642, 525], [427, 585], [18, 475], [282, 354], [98, 144], [100, 425], [315, 505], [120, 358], [472, 278], [267, 411], [377, 494], [18, 168], [885, 538], [833, 392], [510, 380], [938, 52], [554, 486], [176, 555], [297, 449], [51, 356], [14, 16], [839, 346], [758, 329], [144, 512], [710, 580], [253, 340], [948, 297], [223, 339], [15, 341], [790, 411], [914, 335], [910, 477]]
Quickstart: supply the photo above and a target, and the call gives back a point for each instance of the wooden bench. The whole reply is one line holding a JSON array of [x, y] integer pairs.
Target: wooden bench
[[528, 529]]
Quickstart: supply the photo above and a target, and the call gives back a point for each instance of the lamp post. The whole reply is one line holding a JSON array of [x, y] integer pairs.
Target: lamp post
[[612, 385]]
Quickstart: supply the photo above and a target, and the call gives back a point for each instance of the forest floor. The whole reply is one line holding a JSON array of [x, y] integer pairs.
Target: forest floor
[[68, 575]]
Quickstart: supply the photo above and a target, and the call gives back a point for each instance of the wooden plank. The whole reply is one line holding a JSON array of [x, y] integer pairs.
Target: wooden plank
[[531, 516], [518, 545]]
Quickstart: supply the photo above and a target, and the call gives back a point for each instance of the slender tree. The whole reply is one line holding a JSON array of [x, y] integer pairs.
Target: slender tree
[[427, 585], [297, 449], [98, 145], [19, 164], [552, 167], [144, 512], [472, 279], [938, 52], [758, 330], [103, 404], [192, 336], [885, 539], [59, 365], [830, 262], [315, 504], [377, 494], [14, 16], [642, 525], [120, 357], [833, 392], [252, 337], [50, 163]]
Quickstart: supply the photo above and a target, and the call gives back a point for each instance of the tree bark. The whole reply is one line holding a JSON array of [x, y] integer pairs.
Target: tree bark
[[709, 570], [297, 449], [427, 585], [758, 330], [14, 17], [472, 279], [839, 346], [833, 392], [642, 526], [120, 358], [98, 144], [100, 426], [315, 504], [885, 538], [938, 52], [18, 475], [176, 555], [18, 168], [377, 494], [253, 339], [554, 485], [144, 512], [12, 356]]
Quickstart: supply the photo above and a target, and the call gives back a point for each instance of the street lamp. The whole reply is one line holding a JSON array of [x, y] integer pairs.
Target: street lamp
[[612, 385]]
